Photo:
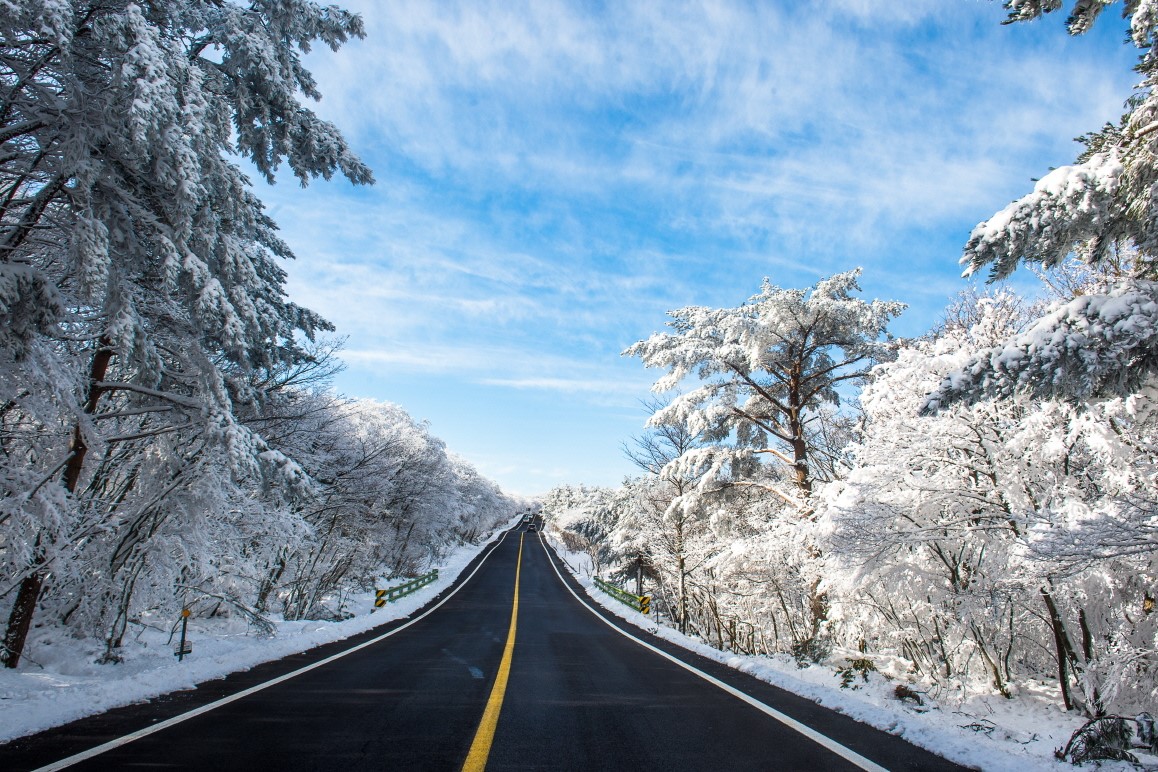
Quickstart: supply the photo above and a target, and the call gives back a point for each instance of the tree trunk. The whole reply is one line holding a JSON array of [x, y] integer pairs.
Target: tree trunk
[[682, 589], [996, 676], [79, 448], [1066, 656], [270, 582], [120, 622], [20, 619], [817, 607], [800, 467], [24, 608], [796, 426]]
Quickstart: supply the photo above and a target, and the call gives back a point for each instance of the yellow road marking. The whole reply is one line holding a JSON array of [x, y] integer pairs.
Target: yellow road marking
[[480, 749]]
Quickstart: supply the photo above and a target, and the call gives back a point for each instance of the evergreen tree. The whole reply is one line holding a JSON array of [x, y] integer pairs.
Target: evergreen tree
[[139, 275], [1095, 209], [769, 367]]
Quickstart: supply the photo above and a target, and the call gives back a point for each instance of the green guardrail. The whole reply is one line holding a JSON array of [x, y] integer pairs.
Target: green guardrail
[[382, 597], [641, 603]]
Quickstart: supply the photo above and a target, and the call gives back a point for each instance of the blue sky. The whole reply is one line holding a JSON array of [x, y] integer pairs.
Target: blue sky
[[553, 177]]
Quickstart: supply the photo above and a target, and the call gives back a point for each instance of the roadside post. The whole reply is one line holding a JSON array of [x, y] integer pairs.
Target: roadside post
[[639, 574], [185, 646]]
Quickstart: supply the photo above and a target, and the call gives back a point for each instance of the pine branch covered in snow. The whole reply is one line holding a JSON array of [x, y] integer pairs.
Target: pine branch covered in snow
[[1094, 345], [1105, 198], [1074, 207]]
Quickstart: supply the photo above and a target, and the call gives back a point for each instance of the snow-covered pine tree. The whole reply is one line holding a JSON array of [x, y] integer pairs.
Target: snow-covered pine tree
[[1094, 209], [770, 371], [139, 276], [768, 367]]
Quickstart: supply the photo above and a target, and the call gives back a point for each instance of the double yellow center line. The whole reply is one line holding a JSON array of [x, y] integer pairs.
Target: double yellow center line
[[480, 749]]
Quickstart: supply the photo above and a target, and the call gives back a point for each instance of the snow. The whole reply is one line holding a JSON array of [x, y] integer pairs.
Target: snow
[[984, 732], [65, 684]]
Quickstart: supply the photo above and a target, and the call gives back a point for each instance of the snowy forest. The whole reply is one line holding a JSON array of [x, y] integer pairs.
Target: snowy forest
[[971, 511], [168, 435]]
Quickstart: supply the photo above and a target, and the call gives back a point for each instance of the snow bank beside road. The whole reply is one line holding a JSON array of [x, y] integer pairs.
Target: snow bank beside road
[[60, 682]]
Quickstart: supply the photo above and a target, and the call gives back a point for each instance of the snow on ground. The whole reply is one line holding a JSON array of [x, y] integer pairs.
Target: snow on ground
[[60, 681], [983, 731]]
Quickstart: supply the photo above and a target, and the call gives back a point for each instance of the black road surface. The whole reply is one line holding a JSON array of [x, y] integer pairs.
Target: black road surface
[[580, 696]]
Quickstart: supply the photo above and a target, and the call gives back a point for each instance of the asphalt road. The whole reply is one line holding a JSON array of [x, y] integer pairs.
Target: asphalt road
[[580, 696]]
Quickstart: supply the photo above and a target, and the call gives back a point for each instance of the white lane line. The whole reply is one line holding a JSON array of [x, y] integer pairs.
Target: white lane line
[[847, 754], [126, 739]]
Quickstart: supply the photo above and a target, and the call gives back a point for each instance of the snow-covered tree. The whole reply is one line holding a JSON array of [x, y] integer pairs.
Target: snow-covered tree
[[1088, 530], [770, 376], [933, 508], [1102, 201], [584, 518], [977, 535], [139, 276], [1094, 209], [769, 367], [667, 523], [388, 498]]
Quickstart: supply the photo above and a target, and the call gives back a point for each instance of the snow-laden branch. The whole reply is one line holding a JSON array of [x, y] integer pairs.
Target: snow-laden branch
[[1094, 345], [169, 396], [1067, 207]]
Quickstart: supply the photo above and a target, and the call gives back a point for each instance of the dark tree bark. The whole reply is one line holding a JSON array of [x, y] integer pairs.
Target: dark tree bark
[[24, 607]]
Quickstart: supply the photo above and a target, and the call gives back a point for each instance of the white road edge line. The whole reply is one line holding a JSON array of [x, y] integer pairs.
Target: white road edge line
[[849, 755], [126, 739]]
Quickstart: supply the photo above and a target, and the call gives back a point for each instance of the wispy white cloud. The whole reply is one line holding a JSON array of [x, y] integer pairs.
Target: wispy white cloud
[[564, 385], [549, 96], [509, 367]]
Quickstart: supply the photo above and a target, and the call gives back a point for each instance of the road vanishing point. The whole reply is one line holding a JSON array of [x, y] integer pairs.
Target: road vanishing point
[[511, 668]]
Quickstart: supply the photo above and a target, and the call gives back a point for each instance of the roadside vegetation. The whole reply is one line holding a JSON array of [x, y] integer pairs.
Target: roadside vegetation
[[168, 437]]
